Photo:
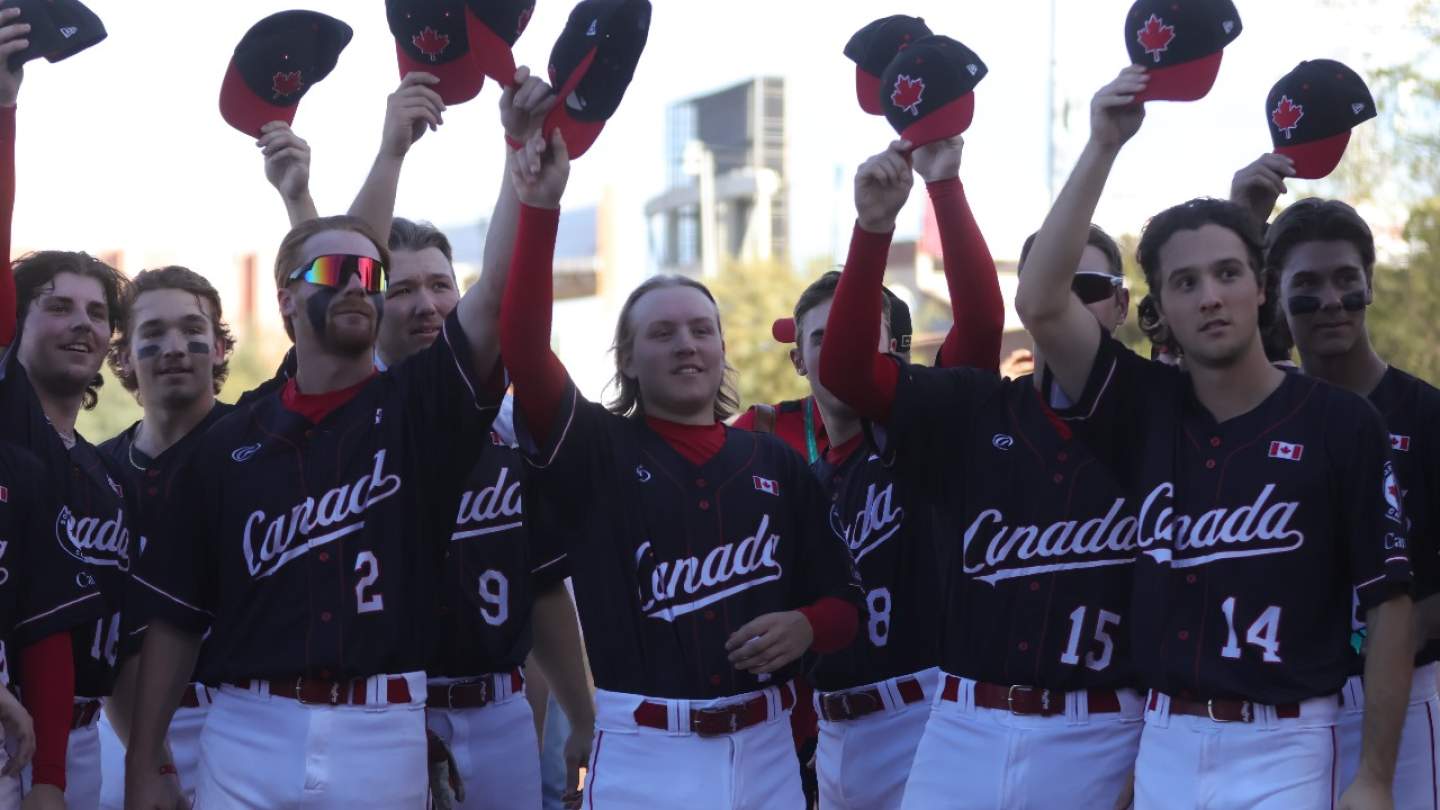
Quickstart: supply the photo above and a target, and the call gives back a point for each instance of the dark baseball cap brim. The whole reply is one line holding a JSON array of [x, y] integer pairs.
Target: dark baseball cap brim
[[783, 330], [492, 53], [460, 79], [867, 92], [243, 109], [1187, 81], [1316, 159], [946, 122]]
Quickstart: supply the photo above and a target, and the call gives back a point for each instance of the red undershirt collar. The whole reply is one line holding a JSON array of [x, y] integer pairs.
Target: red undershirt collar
[[697, 443], [316, 407]]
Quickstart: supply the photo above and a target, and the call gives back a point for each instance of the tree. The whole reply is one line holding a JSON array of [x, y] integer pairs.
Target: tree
[[751, 296], [1402, 322]]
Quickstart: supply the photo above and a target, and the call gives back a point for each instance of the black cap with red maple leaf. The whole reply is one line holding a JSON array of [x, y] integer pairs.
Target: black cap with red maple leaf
[[432, 36], [1311, 111], [276, 63], [873, 47], [495, 27], [591, 66], [928, 89], [1180, 43]]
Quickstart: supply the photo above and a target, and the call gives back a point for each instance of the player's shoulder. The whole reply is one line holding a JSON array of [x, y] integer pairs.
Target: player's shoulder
[[20, 461], [1410, 391], [116, 446]]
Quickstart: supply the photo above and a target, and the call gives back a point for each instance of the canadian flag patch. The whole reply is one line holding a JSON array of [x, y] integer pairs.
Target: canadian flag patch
[[1286, 450], [765, 485], [1399, 443]]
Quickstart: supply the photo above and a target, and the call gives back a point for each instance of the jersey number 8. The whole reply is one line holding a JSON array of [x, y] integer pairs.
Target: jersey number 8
[[878, 604]]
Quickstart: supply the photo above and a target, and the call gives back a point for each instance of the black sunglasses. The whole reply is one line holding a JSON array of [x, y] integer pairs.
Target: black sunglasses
[[1092, 288]]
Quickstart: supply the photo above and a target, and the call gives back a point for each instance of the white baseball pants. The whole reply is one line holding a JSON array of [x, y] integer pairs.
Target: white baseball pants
[[1417, 762], [863, 763], [495, 749]]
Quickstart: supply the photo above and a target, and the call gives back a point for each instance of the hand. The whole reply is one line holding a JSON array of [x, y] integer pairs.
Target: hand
[[577, 758], [148, 789], [1019, 363], [524, 105], [447, 789], [12, 41], [939, 160], [18, 727], [1366, 793], [1114, 115], [882, 185], [413, 108], [541, 170], [1126, 799], [43, 797], [287, 160], [1257, 186], [769, 642]]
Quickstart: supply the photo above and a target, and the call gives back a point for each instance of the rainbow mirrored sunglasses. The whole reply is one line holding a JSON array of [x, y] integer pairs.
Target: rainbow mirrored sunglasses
[[335, 270], [1092, 288]]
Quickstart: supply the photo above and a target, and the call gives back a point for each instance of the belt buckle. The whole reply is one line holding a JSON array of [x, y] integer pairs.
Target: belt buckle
[[732, 719], [1010, 697], [1246, 712], [450, 695]]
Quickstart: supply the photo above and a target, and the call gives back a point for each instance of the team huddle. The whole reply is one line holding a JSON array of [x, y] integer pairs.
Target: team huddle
[[1202, 579]]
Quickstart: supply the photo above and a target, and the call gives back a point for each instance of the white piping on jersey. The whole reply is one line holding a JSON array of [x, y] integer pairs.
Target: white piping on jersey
[[722, 565], [465, 374], [171, 597], [559, 441], [52, 611], [541, 567], [338, 504], [79, 537], [1095, 400]]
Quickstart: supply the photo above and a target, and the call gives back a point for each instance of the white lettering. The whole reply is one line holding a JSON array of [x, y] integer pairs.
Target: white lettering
[[95, 541], [725, 571]]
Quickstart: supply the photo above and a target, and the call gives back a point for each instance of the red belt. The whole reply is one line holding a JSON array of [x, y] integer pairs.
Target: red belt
[[84, 713], [712, 722], [1224, 711], [333, 693], [190, 699], [470, 695], [1030, 700], [857, 703]]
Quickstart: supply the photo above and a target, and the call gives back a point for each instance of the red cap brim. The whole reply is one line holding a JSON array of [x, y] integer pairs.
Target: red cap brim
[[946, 122], [1188, 81], [1317, 159], [579, 135], [489, 51], [783, 330], [867, 92], [460, 79], [244, 110]]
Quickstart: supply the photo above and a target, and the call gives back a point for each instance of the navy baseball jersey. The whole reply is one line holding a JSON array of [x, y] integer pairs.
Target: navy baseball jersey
[[668, 558], [311, 549], [498, 558], [43, 588], [1256, 534], [149, 485], [90, 521], [1035, 539], [1411, 409]]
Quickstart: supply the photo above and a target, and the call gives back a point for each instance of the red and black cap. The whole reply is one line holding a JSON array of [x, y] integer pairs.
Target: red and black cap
[[901, 329], [1311, 111], [928, 89], [44, 34], [591, 66], [495, 26], [873, 47], [276, 63], [79, 28], [431, 36], [1180, 43]]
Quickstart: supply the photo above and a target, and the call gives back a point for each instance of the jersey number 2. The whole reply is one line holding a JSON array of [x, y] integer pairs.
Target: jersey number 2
[[1264, 632], [1103, 621], [374, 602]]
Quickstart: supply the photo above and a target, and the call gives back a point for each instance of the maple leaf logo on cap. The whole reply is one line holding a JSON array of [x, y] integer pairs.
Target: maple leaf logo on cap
[[1156, 36], [1286, 116], [430, 42], [286, 84], [908, 93]]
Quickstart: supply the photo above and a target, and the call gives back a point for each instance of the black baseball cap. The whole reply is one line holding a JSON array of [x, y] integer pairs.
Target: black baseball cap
[[79, 28], [901, 329], [1311, 111], [928, 89], [1180, 43], [591, 66], [873, 47], [44, 34], [495, 26], [432, 36], [276, 63]]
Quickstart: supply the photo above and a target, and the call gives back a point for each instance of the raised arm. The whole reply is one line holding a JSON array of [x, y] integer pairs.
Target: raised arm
[[1064, 330], [976, 305], [12, 41], [1258, 186], [287, 167], [851, 366], [411, 110]]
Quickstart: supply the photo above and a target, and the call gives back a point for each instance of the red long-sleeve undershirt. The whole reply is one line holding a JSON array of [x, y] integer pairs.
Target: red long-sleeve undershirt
[[7, 211], [47, 689], [540, 381], [976, 304]]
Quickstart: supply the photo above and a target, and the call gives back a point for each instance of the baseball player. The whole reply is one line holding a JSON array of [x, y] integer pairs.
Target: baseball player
[[503, 586], [1249, 479], [308, 543], [702, 564], [172, 352], [1320, 256], [67, 305], [1035, 707]]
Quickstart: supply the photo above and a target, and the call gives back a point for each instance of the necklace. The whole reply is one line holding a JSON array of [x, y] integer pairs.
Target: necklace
[[130, 452]]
